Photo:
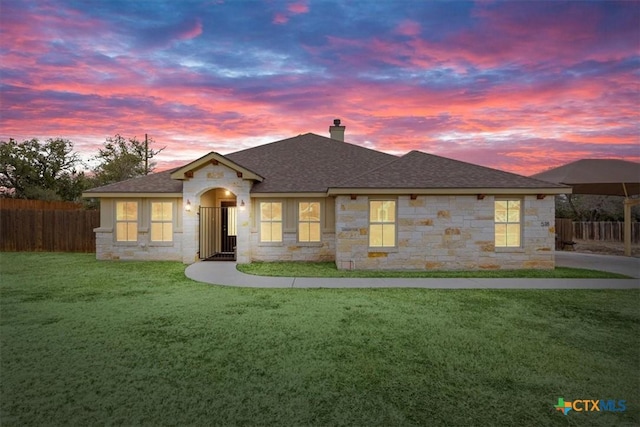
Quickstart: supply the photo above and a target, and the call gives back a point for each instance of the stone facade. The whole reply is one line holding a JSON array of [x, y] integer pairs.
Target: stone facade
[[444, 233], [205, 179], [107, 248], [310, 187], [432, 232], [143, 250], [292, 250]]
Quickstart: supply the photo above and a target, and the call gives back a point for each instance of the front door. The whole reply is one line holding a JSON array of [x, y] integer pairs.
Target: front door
[[228, 230], [218, 230]]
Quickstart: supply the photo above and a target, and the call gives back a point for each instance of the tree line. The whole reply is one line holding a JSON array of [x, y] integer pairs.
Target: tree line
[[52, 170], [588, 207]]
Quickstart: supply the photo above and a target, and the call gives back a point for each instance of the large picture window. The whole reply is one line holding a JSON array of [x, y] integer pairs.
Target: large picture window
[[126, 221], [508, 227], [270, 222], [382, 223], [309, 221], [161, 221]]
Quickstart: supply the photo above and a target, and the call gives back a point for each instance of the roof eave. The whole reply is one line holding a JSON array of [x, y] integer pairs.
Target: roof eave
[[112, 194], [450, 191]]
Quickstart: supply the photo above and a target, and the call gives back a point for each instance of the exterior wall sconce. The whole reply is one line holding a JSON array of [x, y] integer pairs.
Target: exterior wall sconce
[[242, 205], [187, 207]]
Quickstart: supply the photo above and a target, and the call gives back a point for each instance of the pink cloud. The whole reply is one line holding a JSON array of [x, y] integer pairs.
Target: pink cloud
[[298, 8], [409, 28], [292, 9], [280, 19], [194, 31], [522, 126]]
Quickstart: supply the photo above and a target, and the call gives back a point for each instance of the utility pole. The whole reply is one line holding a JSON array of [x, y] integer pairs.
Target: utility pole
[[146, 155]]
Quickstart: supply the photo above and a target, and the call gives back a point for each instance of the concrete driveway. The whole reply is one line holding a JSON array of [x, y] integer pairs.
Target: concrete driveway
[[615, 264], [226, 274]]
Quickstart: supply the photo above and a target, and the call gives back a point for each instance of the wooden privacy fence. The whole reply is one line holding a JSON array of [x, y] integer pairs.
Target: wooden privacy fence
[[612, 231], [39, 204], [564, 233], [44, 227]]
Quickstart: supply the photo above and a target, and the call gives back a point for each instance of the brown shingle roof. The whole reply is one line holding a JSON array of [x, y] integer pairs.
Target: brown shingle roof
[[160, 182], [420, 170], [307, 163], [311, 163]]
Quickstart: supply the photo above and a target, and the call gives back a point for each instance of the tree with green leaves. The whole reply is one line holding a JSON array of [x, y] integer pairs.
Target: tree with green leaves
[[588, 207], [123, 158], [41, 170]]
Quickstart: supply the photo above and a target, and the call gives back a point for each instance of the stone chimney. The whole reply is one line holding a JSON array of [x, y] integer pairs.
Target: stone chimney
[[336, 131]]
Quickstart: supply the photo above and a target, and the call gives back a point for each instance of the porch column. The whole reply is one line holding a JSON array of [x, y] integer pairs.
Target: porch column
[[243, 243]]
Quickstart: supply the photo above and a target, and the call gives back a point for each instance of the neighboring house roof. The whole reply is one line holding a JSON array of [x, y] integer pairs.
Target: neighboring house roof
[[307, 163], [311, 163], [417, 170], [597, 176], [160, 183]]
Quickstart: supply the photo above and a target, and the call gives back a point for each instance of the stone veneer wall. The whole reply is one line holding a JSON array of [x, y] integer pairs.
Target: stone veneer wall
[[445, 233], [143, 249], [207, 178], [292, 250]]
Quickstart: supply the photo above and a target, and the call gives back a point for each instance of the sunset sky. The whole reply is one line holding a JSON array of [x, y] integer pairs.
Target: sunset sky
[[519, 86]]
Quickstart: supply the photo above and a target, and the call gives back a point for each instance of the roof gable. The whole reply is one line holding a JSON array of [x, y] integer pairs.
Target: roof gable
[[214, 158]]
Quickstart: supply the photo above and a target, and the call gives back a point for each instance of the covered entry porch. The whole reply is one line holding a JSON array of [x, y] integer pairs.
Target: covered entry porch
[[217, 226]]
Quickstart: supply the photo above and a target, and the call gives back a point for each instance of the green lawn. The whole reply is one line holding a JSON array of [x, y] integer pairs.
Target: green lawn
[[86, 342], [329, 269]]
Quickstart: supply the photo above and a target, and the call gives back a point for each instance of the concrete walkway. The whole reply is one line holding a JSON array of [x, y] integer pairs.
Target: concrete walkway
[[225, 273]]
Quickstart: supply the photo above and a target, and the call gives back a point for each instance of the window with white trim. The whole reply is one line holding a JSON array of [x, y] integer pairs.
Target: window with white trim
[[126, 221], [508, 226], [161, 221], [382, 223], [270, 222], [309, 221]]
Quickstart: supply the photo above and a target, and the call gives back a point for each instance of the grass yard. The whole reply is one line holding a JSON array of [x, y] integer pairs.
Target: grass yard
[[329, 269], [84, 342]]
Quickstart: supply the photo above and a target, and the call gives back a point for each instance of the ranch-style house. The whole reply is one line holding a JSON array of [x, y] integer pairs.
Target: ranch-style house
[[313, 198]]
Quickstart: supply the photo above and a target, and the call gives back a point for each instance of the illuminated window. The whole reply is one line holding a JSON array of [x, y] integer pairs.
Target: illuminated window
[[270, 222], [507, 223], [161, 221], [126, 221], [309, 221], [382, 223]]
